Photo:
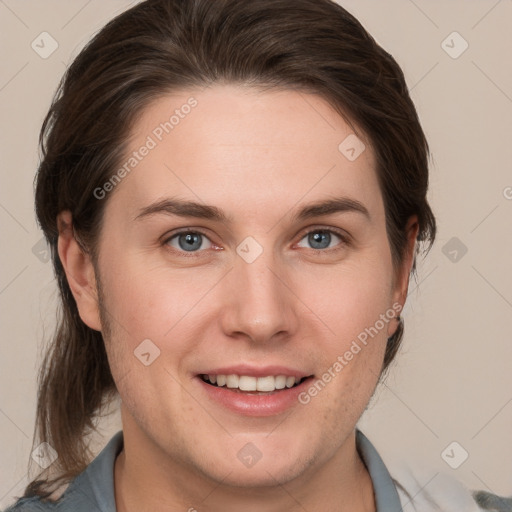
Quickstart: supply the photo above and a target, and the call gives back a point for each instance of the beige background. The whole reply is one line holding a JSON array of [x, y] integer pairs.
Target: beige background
[[453, 379]]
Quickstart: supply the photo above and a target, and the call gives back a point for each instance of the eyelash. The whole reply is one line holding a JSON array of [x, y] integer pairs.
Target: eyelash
[[345, 240]]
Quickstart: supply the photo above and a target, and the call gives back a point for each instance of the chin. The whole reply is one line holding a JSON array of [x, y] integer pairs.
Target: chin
[[257, 463], [260, 475]]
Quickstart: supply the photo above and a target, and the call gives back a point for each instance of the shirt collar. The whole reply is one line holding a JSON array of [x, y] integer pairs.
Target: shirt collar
[[386, 495]]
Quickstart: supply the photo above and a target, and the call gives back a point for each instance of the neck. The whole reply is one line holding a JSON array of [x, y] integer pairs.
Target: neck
[[145, 479]]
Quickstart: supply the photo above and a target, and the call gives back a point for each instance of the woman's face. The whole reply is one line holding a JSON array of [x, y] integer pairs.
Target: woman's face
[[251, 283]]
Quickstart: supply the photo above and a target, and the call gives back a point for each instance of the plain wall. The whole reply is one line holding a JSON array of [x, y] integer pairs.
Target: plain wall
[[452, 380]]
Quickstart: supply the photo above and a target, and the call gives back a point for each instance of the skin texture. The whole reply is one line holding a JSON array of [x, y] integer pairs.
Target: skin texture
[[258, 156]]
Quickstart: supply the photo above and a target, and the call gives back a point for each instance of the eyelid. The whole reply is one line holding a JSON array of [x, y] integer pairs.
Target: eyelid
[[342, 234], [178, 231]]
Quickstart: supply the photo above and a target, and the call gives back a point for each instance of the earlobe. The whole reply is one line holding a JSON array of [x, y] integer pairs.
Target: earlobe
[[402, 280], [79, 271]]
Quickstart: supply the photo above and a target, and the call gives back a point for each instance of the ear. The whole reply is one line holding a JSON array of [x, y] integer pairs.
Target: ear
[[79, 272], [401, 282]]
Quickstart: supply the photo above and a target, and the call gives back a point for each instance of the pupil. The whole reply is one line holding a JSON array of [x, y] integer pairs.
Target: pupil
[[190, 240], [318, 237]]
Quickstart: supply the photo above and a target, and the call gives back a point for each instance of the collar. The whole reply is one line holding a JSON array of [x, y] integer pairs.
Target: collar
[[386, 495]]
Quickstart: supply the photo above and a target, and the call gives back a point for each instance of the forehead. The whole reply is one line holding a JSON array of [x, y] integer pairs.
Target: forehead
[[250, 149]]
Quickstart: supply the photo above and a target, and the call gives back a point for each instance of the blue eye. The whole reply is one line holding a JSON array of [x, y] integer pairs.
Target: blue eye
[[322, 238], [195, 241], [188, 241]]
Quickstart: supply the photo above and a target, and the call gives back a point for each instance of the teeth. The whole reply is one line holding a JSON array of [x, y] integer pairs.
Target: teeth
[[248, 383], [280, 382], [265, 383], [232, 381]]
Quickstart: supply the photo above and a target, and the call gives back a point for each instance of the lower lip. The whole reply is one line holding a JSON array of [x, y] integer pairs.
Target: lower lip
[[248, 404]]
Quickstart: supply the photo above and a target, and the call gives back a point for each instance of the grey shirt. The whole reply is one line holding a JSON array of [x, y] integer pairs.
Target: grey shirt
[[93, 489]]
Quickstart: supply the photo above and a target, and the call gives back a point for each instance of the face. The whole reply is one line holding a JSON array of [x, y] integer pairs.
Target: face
[[257, 285]]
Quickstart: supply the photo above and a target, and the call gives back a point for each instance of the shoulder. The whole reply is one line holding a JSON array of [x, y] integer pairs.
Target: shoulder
[[77, 498], [428, 490], [29, 505], [90, 491], [420, 488]]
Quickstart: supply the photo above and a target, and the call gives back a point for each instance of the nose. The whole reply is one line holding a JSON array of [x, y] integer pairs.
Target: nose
[[259, 302]]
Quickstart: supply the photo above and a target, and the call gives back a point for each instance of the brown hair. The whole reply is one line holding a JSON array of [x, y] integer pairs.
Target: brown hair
[[163, 45]]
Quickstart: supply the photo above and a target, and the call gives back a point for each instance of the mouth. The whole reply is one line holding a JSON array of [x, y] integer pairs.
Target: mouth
[[253, 385], [267, 392]]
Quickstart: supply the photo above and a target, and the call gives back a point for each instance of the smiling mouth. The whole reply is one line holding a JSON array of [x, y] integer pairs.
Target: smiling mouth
[[252, 385]]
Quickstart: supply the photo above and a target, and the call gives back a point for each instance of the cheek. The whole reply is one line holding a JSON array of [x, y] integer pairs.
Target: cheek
[[348, 300], [351, 303], [149, 302], [152, 309], [142, 311]]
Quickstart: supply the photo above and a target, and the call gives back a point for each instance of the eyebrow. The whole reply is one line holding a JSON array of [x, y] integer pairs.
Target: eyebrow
[[183, 208], [330, 206]]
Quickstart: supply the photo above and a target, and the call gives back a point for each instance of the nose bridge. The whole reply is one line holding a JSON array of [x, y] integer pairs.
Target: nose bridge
[[260, 305]]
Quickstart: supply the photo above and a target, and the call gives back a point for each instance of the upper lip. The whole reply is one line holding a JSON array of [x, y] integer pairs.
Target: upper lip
[[256, 371]]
